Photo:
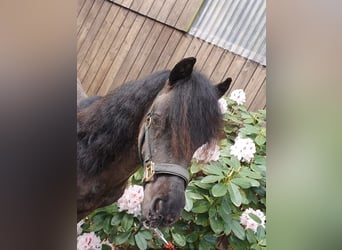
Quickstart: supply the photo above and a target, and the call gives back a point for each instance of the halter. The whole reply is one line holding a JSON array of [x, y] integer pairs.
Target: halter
[[151, 168]]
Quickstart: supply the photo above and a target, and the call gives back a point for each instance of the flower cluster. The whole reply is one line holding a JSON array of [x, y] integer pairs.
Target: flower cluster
[[131, 200], [207, 152], [238, 96], [243, 149], [89, 241], [247, 220], [223, 105]]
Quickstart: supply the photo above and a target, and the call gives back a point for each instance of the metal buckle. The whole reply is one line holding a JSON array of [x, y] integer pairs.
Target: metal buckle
[[149, 172]]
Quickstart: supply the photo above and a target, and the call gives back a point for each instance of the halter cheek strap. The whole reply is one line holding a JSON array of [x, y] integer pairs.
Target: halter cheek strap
[[151, 168]]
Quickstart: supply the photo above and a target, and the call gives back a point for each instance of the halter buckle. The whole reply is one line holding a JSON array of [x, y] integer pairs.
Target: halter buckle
[[148, 172]]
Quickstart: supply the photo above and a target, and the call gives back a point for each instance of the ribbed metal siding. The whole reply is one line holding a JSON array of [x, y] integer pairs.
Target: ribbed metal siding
[[236, 25]]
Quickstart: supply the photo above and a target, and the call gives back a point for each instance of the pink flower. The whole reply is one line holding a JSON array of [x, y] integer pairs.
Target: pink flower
[[249, 223], [238, 96], [207, 152], [89, 241], [131, 200], [243, 149]]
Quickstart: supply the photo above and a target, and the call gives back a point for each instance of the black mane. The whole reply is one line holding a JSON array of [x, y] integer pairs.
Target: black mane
[[111, 125], [193, 114]]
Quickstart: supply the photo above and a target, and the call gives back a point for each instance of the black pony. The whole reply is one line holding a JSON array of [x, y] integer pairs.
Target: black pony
[[157, 122]]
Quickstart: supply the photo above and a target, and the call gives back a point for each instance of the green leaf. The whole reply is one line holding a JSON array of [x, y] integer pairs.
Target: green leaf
[[200, 206], [106, 225], [249, 129], [195, 168], [238, 230], [245, 182], [178, 238], [250, 236], [106, 247], [212, 178], [216, 224], [212, 169], [146, 234], [205, 245], [260, 233], [249, 173], [255, 218], [225, 205], [234, 163], [219, 190], [188, 203], [202, 185], [140, 241], [234, 193], [260, 160], [202, 220], [194, 196], [121, 238], [210, 238], [116, 219], [242, 182], [227, 228], [249, 120], [192, 237], [127, 222], [260, 140]]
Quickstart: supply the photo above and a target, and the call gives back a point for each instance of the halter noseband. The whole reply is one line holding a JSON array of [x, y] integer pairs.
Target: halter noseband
[[151, 168]]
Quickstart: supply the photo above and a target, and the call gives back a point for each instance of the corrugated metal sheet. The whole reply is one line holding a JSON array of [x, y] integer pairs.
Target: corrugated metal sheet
[[236, 25]]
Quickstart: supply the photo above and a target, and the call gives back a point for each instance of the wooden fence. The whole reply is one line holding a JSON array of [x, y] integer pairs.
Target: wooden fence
[[127, 40]]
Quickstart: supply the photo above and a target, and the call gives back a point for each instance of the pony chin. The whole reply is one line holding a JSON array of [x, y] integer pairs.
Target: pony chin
[[164, 201]]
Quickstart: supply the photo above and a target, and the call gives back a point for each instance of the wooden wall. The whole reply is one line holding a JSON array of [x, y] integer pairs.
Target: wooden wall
[[116, 44]]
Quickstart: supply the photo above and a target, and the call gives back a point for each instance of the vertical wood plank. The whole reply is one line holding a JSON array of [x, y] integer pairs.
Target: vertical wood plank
[[259, 101], [165, 10], [88, 22], [169, 49], [122, 53], [155, 9], [103, 50], [145, 7], [180, 50], [88, 39], [156, 51], [188, 14], [112, 52], [254, 84], [83, 14], [85, 63], [193, 47], [245, 75], [212, 61], [80, 4], [222, 67], [175, 13], [234, 70], [145, 51], [134, 52], [202, 55]]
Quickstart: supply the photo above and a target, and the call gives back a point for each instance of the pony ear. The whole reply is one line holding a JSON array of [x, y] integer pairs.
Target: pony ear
[[182, 70], [223, 87]]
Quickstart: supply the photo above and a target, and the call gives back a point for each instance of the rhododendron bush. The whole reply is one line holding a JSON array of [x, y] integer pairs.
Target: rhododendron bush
[[225, 199]]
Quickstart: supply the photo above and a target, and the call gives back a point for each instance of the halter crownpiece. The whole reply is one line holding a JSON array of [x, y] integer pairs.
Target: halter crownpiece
[[151, 168]]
